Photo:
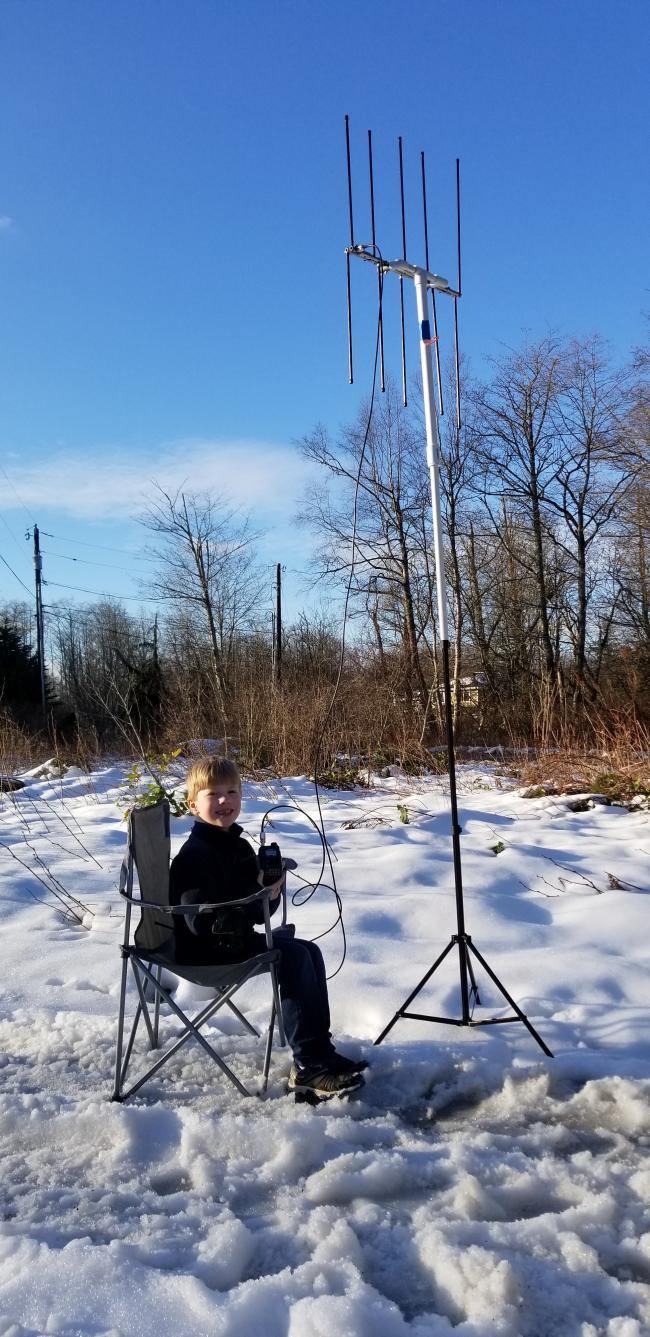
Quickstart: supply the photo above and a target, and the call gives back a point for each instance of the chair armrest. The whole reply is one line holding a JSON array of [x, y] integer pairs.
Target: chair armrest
[[262, 894]]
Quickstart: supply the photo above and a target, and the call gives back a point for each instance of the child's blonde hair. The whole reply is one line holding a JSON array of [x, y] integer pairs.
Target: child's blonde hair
[[208, 771]]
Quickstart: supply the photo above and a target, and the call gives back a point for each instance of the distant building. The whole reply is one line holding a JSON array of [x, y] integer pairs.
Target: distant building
[[472, 689]]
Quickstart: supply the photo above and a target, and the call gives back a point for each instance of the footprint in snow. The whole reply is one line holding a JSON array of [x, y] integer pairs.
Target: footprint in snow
[[84, 986]]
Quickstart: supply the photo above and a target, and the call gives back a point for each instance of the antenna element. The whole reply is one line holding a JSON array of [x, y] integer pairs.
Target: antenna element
[[347, 258]]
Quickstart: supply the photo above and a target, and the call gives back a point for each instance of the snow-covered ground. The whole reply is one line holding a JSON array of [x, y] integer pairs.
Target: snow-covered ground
[[474, 1187]]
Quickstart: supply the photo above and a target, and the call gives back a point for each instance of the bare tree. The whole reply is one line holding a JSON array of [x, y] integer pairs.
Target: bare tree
[[632, 568], [207, 571], [388, 470], [108, 667], [521, 454], [595, 472], [631, 555]]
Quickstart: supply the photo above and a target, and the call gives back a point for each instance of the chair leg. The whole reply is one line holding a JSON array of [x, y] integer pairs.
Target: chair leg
[[269, 1046], [156, 1010], [276, 1012], [143, 1002], [141, 1011], [117, 1089], [277, 1005], [129, 1047], [244, 1020]]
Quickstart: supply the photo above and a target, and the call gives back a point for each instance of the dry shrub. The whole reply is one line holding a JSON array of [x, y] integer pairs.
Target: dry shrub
[[20, 748], [282, 727], [374, 721], [610, 757]]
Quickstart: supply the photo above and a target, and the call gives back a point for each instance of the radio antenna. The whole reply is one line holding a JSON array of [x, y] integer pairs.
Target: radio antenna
[[460, 290], [433, 291], [423, 282], [349, 289], [382, 378], [401, 282]]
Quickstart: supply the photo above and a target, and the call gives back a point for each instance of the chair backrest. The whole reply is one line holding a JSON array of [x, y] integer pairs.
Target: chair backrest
[[149, 845]]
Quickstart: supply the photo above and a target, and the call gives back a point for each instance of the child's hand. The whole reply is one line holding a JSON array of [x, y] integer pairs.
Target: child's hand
[[275, 887]]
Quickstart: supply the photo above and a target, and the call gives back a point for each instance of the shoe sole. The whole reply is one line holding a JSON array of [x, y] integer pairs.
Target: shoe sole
[[320, 1093], [310, 1097]]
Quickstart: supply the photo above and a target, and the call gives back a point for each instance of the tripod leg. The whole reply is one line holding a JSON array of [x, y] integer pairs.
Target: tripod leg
[[463, 961], [511, 1001], [400, 1011], [474, 988]]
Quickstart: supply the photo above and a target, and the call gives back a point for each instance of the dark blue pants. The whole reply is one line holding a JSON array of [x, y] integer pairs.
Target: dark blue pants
[[304, 999]]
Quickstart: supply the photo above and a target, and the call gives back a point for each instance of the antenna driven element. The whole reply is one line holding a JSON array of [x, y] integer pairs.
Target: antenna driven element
[[456, 343], [433, 295], [401, 282], [382, 377], [347, 261], [424, 280], [460, 290]]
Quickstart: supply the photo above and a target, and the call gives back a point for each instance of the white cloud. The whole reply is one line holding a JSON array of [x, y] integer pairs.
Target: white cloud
[[110, 483]]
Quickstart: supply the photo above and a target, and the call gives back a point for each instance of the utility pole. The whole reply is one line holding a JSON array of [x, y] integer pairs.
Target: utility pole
[[40, 637], [277, 628]]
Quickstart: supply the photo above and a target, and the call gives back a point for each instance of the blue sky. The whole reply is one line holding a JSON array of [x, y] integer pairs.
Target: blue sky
[[173, 215]]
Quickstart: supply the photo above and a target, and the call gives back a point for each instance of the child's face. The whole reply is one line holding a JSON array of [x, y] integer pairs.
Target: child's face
[[219, 804]]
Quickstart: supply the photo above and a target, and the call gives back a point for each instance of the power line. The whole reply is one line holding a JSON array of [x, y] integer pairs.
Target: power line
[[100, 594], [18, 498], [13, 536], [109, 566], [20, 582], [60, 538]]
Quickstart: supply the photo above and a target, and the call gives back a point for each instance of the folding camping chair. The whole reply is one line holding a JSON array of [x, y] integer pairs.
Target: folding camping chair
[[152, 951]]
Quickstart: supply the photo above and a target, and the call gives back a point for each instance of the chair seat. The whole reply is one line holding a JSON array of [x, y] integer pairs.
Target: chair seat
[[209, 976]]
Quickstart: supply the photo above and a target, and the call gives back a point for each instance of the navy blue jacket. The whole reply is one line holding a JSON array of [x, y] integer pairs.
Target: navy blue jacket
[[216, 865]]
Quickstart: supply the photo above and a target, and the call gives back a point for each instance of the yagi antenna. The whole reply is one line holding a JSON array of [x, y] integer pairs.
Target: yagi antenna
[[372, 252], [423, 282]]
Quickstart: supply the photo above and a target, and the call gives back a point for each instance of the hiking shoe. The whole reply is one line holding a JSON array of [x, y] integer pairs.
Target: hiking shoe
[[323, 1082], [342, 1064]]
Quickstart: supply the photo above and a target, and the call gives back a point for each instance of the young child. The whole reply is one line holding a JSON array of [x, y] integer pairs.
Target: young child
[[216, 863]]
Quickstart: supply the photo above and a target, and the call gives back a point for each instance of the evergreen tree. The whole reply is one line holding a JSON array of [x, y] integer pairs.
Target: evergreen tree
[[20, 682]]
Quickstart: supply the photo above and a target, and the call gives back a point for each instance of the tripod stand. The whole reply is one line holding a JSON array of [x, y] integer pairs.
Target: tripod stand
[[461, 940]]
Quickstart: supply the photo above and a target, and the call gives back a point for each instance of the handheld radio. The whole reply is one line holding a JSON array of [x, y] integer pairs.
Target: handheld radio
[[271, 864]]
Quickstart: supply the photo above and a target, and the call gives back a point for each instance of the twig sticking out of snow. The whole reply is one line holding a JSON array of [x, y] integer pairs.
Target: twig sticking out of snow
[[371, 820], [72, 906], [68, 828], [615, 884]]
